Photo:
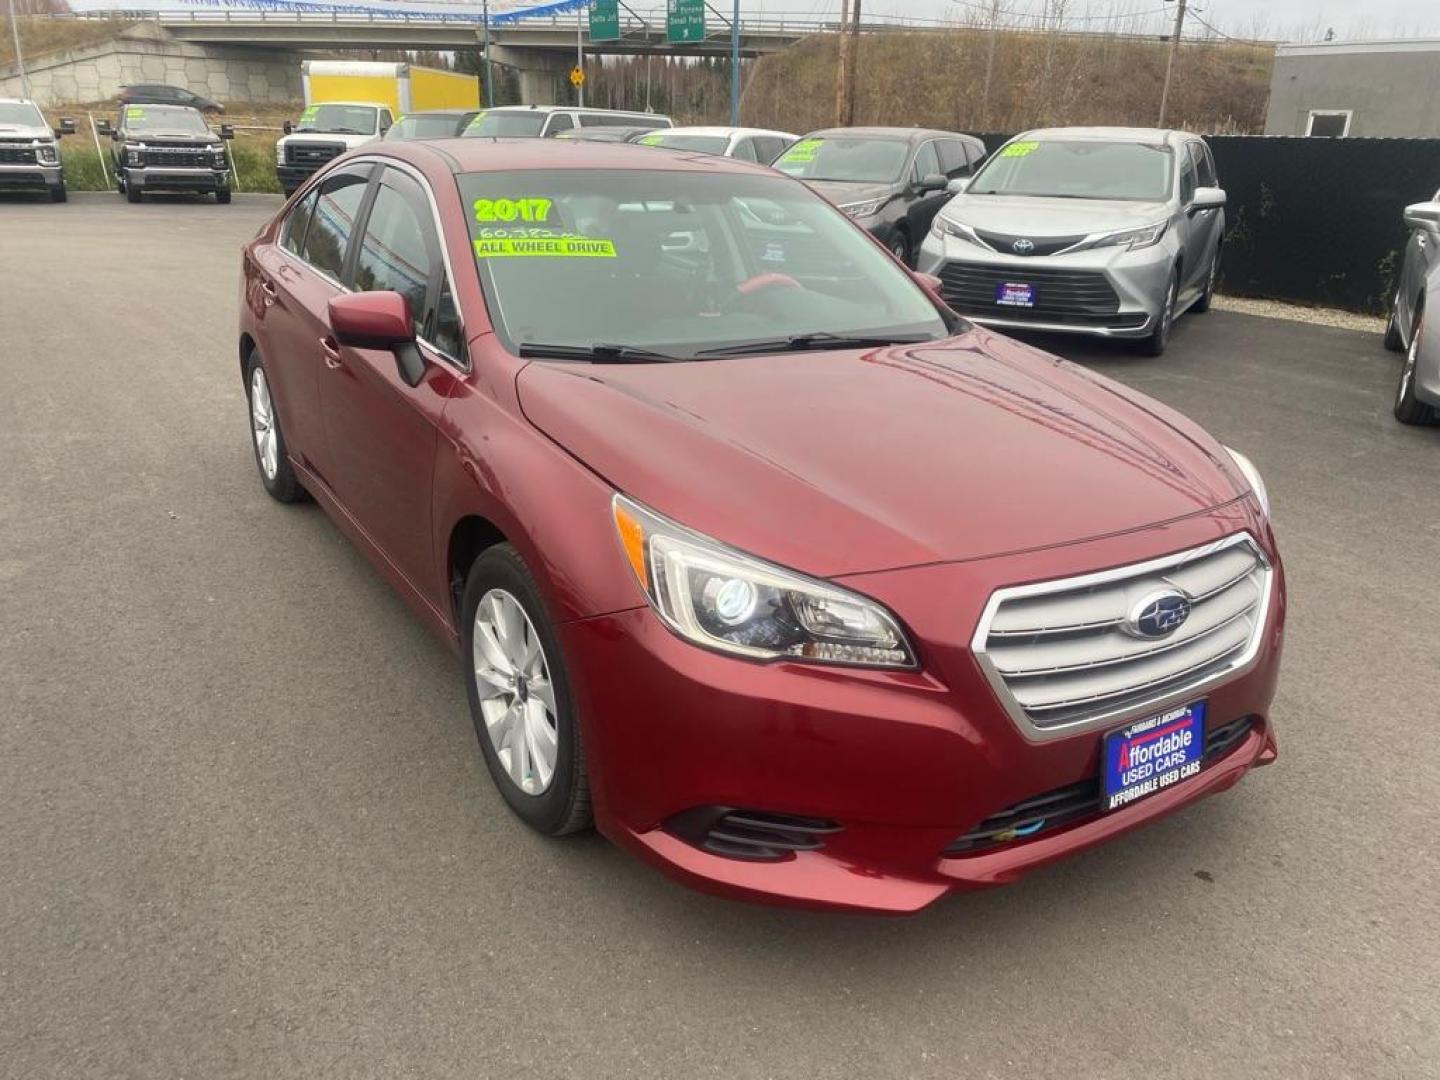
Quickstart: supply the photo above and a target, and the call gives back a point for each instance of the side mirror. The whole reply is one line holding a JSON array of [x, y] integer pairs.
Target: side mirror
[[958, 185], [932, 182], [289, 127], [67, 127], [379, 320], [1423, 215], [102, 127], [1207, 198], [227, 131]]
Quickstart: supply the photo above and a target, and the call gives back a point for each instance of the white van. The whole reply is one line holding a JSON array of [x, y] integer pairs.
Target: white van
[[544, 121]]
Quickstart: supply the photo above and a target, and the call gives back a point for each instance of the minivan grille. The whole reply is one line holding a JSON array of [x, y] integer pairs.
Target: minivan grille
[[1065, 654], [1083, 296], [1044, 813]]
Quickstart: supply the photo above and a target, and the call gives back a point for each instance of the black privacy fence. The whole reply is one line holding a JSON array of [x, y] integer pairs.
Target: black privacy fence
[[1316, 221]]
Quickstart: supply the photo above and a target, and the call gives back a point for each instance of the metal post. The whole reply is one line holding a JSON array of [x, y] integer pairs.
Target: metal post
[[648, 55], [19, 56], [1170, 63], [489, 85], [580, 52], [735, 66], [842, 63], [95, 134]]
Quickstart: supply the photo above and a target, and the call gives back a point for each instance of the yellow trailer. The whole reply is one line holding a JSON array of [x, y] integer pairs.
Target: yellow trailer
[[406, 88]]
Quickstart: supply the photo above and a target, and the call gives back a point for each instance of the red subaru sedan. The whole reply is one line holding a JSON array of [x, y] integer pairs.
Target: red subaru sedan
[[757, 556]]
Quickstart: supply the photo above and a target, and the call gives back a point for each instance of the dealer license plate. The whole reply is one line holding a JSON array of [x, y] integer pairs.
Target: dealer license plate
[[1015, 294], [1150, 755]]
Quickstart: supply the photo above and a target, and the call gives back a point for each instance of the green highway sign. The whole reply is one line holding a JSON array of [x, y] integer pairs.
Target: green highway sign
[[605, 20], [684, 21]]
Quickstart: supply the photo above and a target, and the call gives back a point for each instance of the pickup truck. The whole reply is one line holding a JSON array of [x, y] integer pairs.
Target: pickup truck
[[29, 149], [167, 148], [324, 132]]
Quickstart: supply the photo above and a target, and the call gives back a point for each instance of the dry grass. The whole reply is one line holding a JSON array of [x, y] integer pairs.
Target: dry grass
[[938, 80], [40, 35]]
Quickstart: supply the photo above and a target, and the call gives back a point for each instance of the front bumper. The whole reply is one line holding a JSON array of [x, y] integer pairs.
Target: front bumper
[[31, 177], [1106, 292], [156, 178], [292, 176], [904, 763]]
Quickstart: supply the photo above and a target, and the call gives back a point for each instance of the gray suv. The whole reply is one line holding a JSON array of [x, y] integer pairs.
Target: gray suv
[[1417, 396], [1105, 231], [30, 150]]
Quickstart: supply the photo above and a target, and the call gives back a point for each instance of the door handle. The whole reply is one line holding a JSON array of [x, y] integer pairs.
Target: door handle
[[1420, 241], [330, 349], [268, 290]]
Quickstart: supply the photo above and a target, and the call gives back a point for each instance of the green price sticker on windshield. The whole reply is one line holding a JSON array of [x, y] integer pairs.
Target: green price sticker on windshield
[[801, 152], [134, 112], [311, 111], [492, 210], [652, 140], [1019, 149], [560, 247]]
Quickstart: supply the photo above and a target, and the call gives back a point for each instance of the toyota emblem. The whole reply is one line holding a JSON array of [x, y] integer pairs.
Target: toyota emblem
[[1023, 246]]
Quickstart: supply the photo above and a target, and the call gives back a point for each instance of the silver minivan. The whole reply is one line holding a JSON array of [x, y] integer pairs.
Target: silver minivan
[[1106, 231]]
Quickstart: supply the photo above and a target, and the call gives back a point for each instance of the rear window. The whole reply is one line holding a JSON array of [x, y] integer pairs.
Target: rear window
[[495, 123]]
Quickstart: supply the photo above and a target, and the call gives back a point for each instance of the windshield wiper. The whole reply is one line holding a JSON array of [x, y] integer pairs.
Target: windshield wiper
[[599, 353], [818, 340]]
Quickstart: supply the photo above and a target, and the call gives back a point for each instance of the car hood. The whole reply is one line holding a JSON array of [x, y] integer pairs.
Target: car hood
[[841, 192], [25, 131], [849, 461], [160, 138], [1019, 215]]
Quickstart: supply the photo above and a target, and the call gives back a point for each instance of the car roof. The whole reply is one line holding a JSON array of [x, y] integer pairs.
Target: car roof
[[491, 154], [15, 101], [166, 108], [573, 108], [1107, 134], [430, 112], [354, 104], [725, 132], [899, 134]]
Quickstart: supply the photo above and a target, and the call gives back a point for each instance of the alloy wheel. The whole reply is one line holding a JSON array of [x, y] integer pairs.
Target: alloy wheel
[[262, 424], [517, 697]]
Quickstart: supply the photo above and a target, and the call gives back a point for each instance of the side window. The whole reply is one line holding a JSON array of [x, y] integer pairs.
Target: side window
[[927, 162], [952, 158], [292, 233], [975, 154], [745, 150], [333, 221], [397, 252], [444, 331], [590, 119], [1187, 179], [769, 147], [558, 122], [386, 121], [1204, 166]]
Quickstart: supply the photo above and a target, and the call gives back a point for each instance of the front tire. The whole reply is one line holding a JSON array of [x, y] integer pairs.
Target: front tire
[[900, 248], [222, 196], [1159, 338], [266, 438], [519, 693], [132, 193], [1202, 304], [58, 194], [1394, 340], [1408, 408]]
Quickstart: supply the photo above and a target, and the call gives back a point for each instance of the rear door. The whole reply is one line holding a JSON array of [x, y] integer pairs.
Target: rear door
[[381, 433], [1205, 225]]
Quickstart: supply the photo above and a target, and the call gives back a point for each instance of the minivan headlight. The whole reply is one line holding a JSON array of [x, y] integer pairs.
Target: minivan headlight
[[1143, 237], [1252, 477], [943, 226], [723, 599]]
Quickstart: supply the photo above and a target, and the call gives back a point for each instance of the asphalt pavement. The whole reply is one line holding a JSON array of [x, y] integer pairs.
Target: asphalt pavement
[[245, 827]]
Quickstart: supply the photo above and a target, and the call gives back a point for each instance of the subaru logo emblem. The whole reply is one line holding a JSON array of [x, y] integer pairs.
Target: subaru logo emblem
[[1023, 246], [1158, 614]]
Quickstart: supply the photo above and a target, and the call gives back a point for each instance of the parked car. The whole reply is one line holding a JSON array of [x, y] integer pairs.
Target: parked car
[[160, 94], [545, 121], [436, 124], [1417, 397], [747, 144], [890, 180], [611, 134], [1112, 232], [324, 132], [30, 150], [167, 148], [821, 676]]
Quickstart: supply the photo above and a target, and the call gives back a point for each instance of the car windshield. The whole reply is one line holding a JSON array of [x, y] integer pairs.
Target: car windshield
[[1084, 169], [424, 127], [680, 263], [164, 118], [338, 119], [495, 123], [672, 140], [20, 114], [871, 161]]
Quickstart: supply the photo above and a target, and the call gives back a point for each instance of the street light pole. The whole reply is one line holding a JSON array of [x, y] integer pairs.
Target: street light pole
[[734, 65], [489, 86], [580, 53], [19, 57], [1170, 63]]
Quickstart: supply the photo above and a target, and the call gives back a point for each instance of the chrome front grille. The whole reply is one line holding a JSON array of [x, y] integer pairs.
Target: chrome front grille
[[1061, 658], [13, 153]]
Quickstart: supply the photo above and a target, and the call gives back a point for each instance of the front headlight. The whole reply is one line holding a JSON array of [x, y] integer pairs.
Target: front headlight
[[133, 156], [1146, 236], [1252, 477], [863, 209], [943, 226], [47, 154], [723, 599], [219, 153]]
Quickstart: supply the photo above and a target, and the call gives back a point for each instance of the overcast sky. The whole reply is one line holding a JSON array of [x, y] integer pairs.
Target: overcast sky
[[1283, 19]]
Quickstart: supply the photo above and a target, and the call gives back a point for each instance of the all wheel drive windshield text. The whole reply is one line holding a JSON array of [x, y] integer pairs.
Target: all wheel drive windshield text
[[682, 263], [1078, 170]]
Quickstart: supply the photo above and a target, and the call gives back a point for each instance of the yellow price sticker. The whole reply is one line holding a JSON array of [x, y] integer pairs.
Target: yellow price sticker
[[1019, 149], [652, 140], [802, 152], [488, 210], [564, 247]]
